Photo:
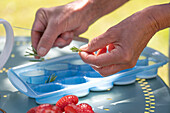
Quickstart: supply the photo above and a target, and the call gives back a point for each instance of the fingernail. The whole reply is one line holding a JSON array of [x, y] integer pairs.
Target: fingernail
[[42, 51], [84, 47]]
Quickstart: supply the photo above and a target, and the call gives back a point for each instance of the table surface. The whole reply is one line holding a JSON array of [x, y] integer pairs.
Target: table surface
[[143, 96]]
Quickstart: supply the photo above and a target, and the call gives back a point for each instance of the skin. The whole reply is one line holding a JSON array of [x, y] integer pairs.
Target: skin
[[60, 24], [125, 41], [129, 38]]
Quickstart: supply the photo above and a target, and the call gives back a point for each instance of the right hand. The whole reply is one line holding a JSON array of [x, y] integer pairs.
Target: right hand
[[125, 42], [58, 25]]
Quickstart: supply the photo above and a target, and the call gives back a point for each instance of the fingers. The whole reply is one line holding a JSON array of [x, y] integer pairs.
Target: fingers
[[116, 56], [111, 69], [59, 25], [35, 39], [97, 43], [67, 35], [47, 40], [62, 43], [81, 29], [35, 34], [64, 40]]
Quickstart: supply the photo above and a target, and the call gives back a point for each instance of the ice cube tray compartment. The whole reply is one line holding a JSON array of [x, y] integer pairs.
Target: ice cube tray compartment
[[78, 78]]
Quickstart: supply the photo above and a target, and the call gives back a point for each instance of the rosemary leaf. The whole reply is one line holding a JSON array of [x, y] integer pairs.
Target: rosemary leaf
[[33, 49], [29, 49], [33, 53], [27, 52], [51, 78], [35, 60], [26, 55], [47, 81], [75, 49], [42, 59]]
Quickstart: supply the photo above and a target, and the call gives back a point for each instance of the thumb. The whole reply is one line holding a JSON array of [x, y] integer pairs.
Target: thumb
[[96, 43]]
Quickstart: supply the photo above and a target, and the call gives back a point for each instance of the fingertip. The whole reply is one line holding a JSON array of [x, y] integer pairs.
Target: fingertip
[[81, 53], [42, 51], [37, 57], [84, 47], [83, 56]]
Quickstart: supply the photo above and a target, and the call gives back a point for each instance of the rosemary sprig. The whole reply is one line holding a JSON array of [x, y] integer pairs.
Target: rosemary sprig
[[37, 60], [51, 78], [34, 53], [75, 49]]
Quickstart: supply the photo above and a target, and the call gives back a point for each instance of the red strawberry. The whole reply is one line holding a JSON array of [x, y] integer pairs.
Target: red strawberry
[[42, 107], [101, 51], [110, 47], [32, 110], [57, 109], [64, 101], [51, 110], [81, 108], [93, 53], [71, 108], [85, 108]]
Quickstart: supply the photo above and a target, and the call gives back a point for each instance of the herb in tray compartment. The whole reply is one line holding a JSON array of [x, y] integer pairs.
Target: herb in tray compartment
[[33, 52], [51, 78], [75, 49]]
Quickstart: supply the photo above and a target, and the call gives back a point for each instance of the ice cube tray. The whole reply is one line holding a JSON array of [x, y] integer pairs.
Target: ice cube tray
[[76, 77]]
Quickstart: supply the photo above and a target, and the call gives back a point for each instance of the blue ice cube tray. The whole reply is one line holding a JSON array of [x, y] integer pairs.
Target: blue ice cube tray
[[76, 77]]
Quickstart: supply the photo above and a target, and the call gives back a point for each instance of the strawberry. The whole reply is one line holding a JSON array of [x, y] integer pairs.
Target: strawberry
[[32, 110], [110, 47], [57, 109], [85, 108], [51, 110], [71, 108], [101, 51], [42, 107], [81, 108], [64, 101]]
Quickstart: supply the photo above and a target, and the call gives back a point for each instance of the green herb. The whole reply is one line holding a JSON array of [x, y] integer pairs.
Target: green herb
[[33, 52], [75, 49], [37, 60], [51, 78]]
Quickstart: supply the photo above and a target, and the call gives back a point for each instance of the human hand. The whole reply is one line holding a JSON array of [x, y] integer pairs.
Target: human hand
[[59, 25], [124, 42]]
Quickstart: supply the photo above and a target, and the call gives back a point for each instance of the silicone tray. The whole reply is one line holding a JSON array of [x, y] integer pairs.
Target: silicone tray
[[76, 77]]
